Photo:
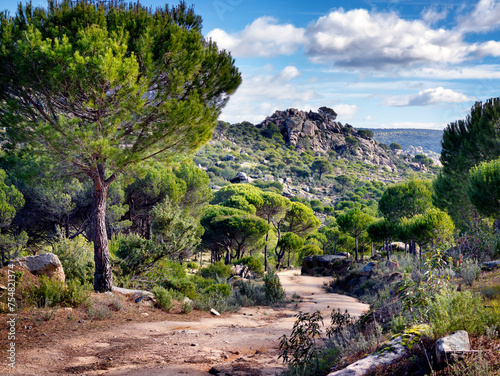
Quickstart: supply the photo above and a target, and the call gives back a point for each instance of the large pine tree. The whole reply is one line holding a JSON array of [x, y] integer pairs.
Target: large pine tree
[[104, 86]]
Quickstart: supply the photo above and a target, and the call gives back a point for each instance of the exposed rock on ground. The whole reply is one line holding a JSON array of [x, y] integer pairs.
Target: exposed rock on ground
[[451, 348], [45, 264], [392, 352], [490, 265]]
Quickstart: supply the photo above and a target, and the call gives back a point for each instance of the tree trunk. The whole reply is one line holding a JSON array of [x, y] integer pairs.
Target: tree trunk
[[103, 277], [356, 248], [265, 252]]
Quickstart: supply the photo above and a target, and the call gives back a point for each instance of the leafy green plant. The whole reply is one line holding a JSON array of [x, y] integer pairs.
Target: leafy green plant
[[217, 270], [417, 294], [52, 292], [77, 258], [192, 265], [216, 300], [218, 288], [339, 322], [300, 348], [186, 306], [450, 311], [163, 298], [273, 289]]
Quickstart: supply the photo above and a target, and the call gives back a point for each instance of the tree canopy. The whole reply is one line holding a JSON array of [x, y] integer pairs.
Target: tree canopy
[[484, 188], [406, 200], [466, 143], [103, 87]]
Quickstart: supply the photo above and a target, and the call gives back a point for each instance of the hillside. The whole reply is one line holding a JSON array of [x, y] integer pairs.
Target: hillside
[[288, 149]]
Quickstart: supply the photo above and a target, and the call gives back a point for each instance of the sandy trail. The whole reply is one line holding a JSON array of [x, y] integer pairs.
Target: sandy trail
[[242, 343]]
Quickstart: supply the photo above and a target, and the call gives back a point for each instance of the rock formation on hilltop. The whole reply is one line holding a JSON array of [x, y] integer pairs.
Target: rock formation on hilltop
[[322, 133]]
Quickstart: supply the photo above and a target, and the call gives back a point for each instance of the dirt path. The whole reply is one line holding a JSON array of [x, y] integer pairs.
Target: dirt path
[[242, 343]]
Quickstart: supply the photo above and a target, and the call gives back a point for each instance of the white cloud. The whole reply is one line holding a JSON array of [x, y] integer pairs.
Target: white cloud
[[264, 37], [263, 93], [432, 15], [428, 97], [346, 112], [368, 39], [485, 17], [358, 38]]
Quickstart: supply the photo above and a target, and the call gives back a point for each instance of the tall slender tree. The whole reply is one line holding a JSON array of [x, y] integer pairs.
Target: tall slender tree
[[105, 86]]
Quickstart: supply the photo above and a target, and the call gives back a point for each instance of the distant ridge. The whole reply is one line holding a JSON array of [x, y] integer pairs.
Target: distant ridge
[[428, 139]]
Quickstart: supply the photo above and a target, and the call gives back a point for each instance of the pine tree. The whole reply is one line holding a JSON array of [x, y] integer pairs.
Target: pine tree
[[104, 87]]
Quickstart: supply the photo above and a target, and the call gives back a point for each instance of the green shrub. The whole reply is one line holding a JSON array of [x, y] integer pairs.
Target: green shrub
[[273, 289], [200, 282], [186, 306], [219, 288], [52, 292], [247, 294], [163, 298], [183, 285], [469, 271], [216, 300], [192, 265], [450, 311], [76, 294], [216, 271], [253, 264], [77, 259]]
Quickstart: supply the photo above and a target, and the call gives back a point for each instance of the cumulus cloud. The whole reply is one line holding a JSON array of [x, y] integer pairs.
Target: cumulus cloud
[[346, 112], [264, 37], [485, 17], [368, 39], [358, 38], [432, 15], [261, 94], [428, 97]]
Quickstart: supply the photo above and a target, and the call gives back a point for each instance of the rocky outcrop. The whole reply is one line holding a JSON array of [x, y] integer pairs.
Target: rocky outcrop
[[325, 265], [303, 129], [46, 264]]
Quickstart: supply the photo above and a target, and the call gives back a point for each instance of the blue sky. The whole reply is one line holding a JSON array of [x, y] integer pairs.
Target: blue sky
[[379, 64]]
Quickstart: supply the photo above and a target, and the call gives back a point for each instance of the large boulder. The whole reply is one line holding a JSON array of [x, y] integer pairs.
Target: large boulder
[[452, 348], [45, 264], [325, 264], [241, 177]]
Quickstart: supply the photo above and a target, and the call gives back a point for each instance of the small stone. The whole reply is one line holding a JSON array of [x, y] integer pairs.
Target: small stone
[[214, 312], [194, 344], [144, 314]]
